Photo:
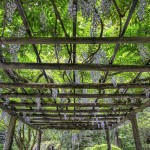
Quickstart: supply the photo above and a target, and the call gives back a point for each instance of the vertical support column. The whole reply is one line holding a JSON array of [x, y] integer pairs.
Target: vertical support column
[[136, 132], [108, 138], [117, 139], [10, 133], [39, 140]]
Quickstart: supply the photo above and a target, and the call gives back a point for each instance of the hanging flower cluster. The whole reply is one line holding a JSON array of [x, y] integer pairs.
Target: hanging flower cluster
[[100, 57], [6, 119], [10, 9], [21, 32], [65, 116], [105, 6], [84, 55], [1, 90], [94, 25], [19, 125], [141, 9], [103, 125], [86, 7], [43, 20], [147, 93], [72, 9], [24, 114], [77, 78], [27, 119], [54, 93], [95, 75], [3, 114], [13, 48], [84, 100], [144, 53], [6, 101], [38, 102], [114, 81], [74, 138], [57, 48]]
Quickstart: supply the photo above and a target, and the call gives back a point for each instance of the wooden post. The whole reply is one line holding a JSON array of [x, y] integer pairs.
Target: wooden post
[[136, 132], [10, 133], [39, 140], [117, 139], [108, 138]]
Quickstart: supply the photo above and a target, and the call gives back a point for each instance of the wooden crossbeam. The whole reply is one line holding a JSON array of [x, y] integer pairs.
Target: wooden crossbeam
[[73, 40], [73, 119], [66, 66], [74, 122], [72, 111], [71, 128], [75, 85], [49, 104], [76, 115], [74, 127], [68, 95], [68, 123]]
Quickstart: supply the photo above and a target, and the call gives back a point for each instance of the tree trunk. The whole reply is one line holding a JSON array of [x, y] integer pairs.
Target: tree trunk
[[10, 133]]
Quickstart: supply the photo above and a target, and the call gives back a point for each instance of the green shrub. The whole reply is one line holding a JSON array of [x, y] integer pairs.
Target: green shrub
[[102, 147]]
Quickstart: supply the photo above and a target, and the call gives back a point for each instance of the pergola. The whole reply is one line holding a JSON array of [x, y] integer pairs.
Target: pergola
[[74, 114]]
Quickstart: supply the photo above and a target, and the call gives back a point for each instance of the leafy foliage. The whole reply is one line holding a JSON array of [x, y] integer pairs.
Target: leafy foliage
[[94, 18], [102, 147]]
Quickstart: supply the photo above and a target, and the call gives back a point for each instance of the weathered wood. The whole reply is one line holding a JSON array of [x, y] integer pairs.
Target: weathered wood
[[108, 138], [68, 95], [69, 124], [10, 133], [74, 40], [65, 66], [50, 104], [76, 115], [117, 138], [72, 119], [39, 140], [136, 134], [72, 111], [71, 128], [75, 85]]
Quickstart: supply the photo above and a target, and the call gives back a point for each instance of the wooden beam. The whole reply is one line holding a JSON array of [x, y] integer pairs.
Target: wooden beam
[[66, 66], [68, 124], [76, 115], [71, 128], [73, 40], [75, 85], [68, 95], [10, 133], [108, 138], [72, 111], [71, 119], [50, 104], [136, 134], [39, 140]]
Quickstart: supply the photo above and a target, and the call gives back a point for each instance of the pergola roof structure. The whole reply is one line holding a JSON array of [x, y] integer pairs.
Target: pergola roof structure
[[73, 103]]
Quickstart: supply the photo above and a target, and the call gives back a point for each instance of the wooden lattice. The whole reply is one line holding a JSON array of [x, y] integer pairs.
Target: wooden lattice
[[74, 114]]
